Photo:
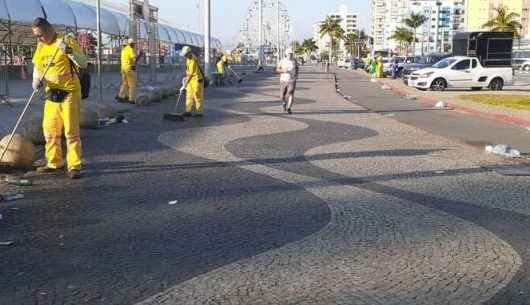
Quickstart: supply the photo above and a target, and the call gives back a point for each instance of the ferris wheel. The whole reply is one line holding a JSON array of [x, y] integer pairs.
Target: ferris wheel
[[275, 31]]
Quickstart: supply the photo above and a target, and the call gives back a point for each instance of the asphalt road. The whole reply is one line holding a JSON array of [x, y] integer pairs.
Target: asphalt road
[[471, 130]]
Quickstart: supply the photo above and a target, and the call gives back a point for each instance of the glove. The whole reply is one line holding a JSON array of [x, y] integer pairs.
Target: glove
[[65, 48], [36, 84]]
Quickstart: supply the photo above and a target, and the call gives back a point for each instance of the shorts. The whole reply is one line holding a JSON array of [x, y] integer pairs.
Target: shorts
[[287, 88]]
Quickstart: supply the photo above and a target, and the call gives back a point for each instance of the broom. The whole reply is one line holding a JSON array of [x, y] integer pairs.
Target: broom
[[175, 116]]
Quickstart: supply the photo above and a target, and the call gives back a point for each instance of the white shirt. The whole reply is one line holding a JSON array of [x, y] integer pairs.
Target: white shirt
[[288, 67]]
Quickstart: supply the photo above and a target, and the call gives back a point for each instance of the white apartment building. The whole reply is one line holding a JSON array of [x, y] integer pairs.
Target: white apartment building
[[444, 17], [349, 22]]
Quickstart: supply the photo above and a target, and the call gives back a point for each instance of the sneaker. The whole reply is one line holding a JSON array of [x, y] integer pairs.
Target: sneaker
[[47, 170], [284, 107], [74, 174], [289, 111]]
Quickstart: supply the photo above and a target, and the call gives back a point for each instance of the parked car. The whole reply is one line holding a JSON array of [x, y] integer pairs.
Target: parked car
[[345, 64], [461, 72], [521, 60], [420, 62]]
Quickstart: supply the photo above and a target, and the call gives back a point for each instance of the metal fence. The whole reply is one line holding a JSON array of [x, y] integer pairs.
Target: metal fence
[[4, 77]]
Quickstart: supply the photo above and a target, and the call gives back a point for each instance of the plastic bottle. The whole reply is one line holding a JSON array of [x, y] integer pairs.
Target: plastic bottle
[[18, 182]]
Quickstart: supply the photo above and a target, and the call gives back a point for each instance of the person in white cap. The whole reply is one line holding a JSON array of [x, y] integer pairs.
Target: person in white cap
[[288, 69], [193, 84], [127, 93]]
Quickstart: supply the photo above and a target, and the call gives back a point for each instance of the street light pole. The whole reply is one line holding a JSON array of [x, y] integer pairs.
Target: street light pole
[[278, 29], [260, 35], [207, 37], [98, 29]]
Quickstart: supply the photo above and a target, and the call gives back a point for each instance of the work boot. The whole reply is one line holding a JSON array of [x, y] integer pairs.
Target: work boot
[[121, 100], [74, 174], [289, 111], [46, 170]]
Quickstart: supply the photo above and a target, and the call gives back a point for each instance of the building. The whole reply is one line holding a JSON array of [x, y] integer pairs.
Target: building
[[435, 35], [480, 11], [349, 22], [386, 17]]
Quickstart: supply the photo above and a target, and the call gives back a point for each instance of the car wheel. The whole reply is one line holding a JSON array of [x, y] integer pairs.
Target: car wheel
[[496, 84], [439, 84]]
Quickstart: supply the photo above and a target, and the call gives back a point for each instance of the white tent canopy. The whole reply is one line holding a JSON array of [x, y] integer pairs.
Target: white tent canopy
[[58, 12], [83, 16], [22, 11]]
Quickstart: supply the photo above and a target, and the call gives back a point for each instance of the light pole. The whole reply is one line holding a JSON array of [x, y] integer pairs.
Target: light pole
[[207, 37], [98, 29], [260, 34], [278, 28]]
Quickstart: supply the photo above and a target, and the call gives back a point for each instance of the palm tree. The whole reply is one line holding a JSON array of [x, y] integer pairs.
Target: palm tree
[[414, 21], [332, 28], [297, 48], [404, 36], [504, 22], [309, 46], [351, 41]]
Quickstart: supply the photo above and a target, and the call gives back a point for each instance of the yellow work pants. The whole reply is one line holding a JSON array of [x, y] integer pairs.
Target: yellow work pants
[[128, 85], [58, 117], [195, 97]]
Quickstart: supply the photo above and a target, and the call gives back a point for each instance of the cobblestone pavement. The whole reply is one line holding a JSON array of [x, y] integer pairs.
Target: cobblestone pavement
[[331, 205]]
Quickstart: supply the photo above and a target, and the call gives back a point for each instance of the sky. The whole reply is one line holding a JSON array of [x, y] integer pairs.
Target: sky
[[228, 15]]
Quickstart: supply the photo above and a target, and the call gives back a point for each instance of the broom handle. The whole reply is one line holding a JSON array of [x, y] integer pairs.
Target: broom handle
[[27, 106]]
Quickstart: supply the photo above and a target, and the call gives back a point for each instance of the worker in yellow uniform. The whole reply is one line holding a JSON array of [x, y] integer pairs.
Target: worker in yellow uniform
[[127, 92], [193, 84], [63, 96], [221, 65]]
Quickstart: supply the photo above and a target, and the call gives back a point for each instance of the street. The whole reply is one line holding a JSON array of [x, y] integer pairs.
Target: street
[[338, 203]]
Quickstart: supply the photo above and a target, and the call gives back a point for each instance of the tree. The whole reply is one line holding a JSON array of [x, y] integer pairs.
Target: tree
[[309, 46], [404, 36], [414, 21], [504, 22], [350, 41], [298, 49], [331, 27]]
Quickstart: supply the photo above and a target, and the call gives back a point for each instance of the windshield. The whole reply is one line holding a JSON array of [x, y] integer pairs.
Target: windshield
[[444, 63]]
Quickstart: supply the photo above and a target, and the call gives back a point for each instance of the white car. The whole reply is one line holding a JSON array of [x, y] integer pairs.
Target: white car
[[345, 64], [461, 72]]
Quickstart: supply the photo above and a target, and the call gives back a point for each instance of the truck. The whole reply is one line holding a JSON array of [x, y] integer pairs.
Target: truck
[[480, 60]]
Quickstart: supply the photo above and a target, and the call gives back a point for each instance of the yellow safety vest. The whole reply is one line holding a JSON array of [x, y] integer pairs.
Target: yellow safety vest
[[193, 71], [128, 58], [61, 74]]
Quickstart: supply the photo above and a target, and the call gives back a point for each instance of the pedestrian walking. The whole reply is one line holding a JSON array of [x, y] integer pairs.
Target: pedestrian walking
[[288, 69], [193, 84], [394, 66], [379, 67], [127, 93], [64, 57]]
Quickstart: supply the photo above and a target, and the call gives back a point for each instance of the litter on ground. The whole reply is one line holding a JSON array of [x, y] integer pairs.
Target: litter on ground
[[503, 150], [441, 105], [173, 202], [6, 243]]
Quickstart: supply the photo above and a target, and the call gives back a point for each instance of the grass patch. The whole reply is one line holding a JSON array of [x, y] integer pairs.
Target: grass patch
[[518, 102]]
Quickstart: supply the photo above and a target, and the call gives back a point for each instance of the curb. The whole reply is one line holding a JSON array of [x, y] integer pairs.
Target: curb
[[499, 117]]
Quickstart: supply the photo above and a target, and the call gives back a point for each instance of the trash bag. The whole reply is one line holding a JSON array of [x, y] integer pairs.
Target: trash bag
[[143, 99], [89, 118], [20, 153]]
